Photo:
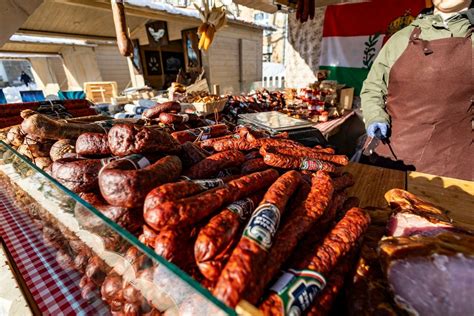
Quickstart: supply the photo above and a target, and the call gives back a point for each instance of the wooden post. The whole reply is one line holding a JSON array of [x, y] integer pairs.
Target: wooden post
[[216, 89]]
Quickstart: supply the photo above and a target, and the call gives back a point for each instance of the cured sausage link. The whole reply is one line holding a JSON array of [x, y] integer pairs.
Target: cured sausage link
[[211, 165], [316, 266], [300, 222], [217, 239], [248, 259], [188, 211], [305, 152], [274, 159]]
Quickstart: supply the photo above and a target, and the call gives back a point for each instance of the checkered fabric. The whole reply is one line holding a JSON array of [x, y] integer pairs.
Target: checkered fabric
[[56, 291]]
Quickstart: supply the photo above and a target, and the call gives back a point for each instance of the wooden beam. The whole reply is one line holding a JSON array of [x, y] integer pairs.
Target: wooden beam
[[85, 37], [25, 54]]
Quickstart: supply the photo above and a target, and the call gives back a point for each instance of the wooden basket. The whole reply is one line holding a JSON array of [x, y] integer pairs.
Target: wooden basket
[[206, 108]]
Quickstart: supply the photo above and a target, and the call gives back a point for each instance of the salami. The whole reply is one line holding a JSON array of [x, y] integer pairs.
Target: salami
[[248, 259], [234, 143], [155, 111], [274, 159], [92, 145], [300, 223], [211, 165], [209, 143], [317, 265], [170, 118], [309, 153], [254, 165], [327, 150], [181, 189], [175, 245], [205, 133], [216, 240], [127, 139], [78, 175], [126, 182], [188, 211]]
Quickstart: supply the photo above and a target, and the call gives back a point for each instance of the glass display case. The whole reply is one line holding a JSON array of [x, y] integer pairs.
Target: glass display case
[[73, 259]]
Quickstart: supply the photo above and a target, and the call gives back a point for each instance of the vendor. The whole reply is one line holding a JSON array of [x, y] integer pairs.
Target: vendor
[[419, 94]]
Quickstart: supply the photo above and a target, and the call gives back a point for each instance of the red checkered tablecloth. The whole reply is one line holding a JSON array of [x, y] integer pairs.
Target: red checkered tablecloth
[[55, 290]]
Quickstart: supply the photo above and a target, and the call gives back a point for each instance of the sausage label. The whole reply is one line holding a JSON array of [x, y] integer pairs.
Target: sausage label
[[209, 183], [308, 164], [263, 225], [297, 290], [243, 208]]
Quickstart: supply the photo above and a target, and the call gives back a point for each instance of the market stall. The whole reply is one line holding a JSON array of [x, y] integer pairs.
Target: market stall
[[188, 202], [182, 212]]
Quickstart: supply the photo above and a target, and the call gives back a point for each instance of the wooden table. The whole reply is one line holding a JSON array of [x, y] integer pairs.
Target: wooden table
[[372, 183], [452, 195]]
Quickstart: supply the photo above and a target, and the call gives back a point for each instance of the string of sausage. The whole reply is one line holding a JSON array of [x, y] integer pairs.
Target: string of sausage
[[272, 157], [211, 165], [340, 240], [300, 222], [305, 152], [248, 258]]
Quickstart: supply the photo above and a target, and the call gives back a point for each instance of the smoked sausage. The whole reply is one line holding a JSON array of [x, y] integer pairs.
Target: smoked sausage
[[78, 175], [92, 145], [126, 182], [216, 240], [155, 111], [126, 139], [205, 133], [340, 241], [294, 229], [274, 159], [254, 165], [248, 259], [190, 210], [211, 165]]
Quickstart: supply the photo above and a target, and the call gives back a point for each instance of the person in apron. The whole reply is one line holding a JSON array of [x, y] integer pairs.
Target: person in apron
[[419, 94]]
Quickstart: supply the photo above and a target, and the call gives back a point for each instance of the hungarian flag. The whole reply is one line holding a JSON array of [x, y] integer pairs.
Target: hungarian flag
[[354, 33]]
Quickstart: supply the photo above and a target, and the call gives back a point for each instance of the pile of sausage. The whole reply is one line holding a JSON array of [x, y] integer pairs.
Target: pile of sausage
[[234, 211]]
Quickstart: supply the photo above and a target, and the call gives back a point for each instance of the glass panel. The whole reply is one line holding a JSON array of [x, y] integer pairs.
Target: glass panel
[[74, 259]]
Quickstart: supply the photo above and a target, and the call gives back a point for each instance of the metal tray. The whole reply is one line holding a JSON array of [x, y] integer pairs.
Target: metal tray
[[275, 121]]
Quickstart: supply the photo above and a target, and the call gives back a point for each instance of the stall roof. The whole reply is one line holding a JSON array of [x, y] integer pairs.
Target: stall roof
[[91, 21], [270, 6]]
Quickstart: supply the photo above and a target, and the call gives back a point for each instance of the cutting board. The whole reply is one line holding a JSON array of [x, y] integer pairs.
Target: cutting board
[[453, 195], [371, 183]]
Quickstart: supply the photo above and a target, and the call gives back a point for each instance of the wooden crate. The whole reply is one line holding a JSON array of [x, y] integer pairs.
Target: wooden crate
[[101, 92]]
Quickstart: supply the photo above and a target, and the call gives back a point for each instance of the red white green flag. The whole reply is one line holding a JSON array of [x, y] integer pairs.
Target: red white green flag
[[354, 33]]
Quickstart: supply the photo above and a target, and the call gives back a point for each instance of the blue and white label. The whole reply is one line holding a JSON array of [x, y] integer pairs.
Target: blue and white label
[[263, 225], [297, 290]]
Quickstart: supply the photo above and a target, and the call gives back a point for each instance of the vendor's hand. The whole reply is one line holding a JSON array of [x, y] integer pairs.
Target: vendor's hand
[[378, 129]]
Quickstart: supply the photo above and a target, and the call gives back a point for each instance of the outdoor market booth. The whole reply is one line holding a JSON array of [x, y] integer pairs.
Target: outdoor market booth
[[200, 203]]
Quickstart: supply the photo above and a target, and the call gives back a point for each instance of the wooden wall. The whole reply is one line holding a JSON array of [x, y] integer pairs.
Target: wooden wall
[[112, 65], [235, 49]]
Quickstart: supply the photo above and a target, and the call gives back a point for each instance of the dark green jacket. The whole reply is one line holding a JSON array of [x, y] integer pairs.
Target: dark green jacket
[[375, 86]]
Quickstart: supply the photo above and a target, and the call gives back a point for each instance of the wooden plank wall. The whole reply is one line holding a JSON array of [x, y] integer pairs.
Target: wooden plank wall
[[112, 65], [223, 58]]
